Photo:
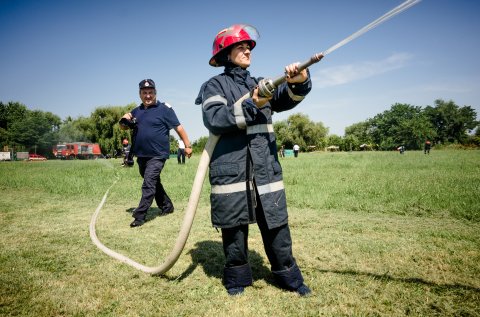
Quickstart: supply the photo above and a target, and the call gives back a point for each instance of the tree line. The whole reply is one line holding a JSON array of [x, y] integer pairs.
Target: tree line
[[403, 124], [37, 131]]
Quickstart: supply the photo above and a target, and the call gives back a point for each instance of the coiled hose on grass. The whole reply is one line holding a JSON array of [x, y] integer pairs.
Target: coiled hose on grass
[[186, 224]]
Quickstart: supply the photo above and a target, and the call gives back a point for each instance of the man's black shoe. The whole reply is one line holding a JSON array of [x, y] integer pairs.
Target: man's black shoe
[[137, 223], [168, 210]]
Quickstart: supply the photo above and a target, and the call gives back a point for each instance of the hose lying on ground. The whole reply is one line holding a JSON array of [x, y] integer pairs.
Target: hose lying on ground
[[186, 224]]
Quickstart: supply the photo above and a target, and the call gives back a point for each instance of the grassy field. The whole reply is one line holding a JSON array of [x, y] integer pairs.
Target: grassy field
[[375, 234]]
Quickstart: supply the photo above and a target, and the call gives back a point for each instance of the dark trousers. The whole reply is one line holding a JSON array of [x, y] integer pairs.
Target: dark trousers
[[278, 246], [277, 243], [181, 156], [295, 153], [152, 188]]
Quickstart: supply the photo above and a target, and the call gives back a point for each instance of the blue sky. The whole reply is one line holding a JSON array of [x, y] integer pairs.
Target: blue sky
[[70, 57]]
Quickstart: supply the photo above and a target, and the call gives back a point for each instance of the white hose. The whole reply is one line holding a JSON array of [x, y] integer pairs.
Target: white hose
[[186, 224]]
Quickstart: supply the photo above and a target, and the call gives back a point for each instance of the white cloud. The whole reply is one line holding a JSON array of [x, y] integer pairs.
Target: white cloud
[[340, 75]]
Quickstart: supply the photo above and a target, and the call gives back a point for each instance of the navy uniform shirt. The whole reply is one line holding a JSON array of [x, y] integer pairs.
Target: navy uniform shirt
[[154, 124]]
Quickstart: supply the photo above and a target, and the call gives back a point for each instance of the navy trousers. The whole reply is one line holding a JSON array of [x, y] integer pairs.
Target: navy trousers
[[277, 243], [152, 188]]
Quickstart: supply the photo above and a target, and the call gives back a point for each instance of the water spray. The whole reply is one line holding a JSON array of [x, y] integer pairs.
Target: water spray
[[266, 87]]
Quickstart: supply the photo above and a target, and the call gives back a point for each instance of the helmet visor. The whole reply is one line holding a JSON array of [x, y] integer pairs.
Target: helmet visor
[[234, 34], [251, 31]]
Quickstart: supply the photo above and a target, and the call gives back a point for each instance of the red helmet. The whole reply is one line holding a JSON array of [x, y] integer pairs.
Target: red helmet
[[231, 35]]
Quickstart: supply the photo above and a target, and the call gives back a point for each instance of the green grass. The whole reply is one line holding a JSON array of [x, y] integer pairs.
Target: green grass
[[375, 234], [444, 183]]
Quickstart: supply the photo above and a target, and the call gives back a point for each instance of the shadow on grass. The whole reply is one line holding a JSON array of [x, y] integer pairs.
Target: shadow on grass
[[209, 255], [152, 213], [410, 280]]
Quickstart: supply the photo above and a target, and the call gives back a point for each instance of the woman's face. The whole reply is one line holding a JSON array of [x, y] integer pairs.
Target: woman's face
[[240, 54]]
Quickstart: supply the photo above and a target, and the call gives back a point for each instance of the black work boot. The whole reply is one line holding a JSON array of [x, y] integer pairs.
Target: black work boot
[[291, 279]]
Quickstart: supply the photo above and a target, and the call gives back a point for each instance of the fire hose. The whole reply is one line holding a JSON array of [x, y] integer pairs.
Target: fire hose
[[266, 88]]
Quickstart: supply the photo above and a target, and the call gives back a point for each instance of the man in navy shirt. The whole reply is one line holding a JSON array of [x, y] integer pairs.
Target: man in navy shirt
[[151, 122]]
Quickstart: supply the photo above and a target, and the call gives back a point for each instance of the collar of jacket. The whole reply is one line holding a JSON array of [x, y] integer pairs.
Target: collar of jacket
[[238, 74]]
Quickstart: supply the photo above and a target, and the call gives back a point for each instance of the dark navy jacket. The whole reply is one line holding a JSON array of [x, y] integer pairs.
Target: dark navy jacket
[[245, 159]]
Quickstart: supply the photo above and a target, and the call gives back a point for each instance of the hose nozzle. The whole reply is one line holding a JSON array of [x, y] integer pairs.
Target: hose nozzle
[[266, 88]]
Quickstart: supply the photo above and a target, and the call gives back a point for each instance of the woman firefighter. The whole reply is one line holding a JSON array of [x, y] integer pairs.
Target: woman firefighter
[[245, 173]]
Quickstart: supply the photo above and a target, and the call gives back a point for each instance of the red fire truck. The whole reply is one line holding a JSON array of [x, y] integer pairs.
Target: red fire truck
[[77, 150]]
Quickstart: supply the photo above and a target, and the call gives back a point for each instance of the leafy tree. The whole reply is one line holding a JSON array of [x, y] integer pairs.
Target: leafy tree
[[358, 134], [299, 129], [335, 140], [199, 145], [403, 124], [9, 114], [71, 131], [475, 138], [283, 134], [451, 123], [351, 143], [23, 129], [102, 127]]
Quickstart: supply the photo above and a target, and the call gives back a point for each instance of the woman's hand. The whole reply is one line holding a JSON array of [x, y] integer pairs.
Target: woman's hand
[[292, 74], [258, 100]]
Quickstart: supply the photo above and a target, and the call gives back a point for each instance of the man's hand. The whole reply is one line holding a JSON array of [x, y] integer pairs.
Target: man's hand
[[125, 121]]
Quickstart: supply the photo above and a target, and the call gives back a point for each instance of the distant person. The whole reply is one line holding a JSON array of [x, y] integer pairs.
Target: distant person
[[181, 152], [296, 149], [282, 151], [401, 149], [125, 153], [426, 147], [245, 174], [151, 122]]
